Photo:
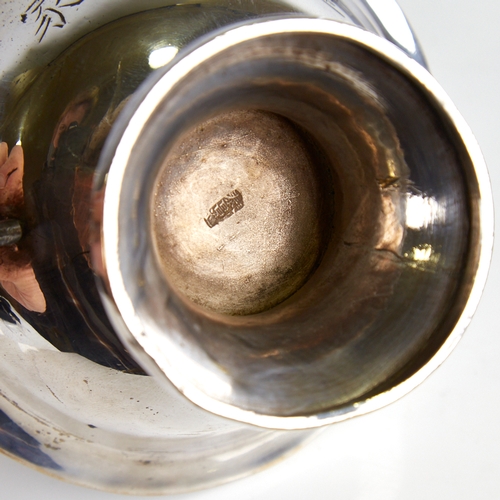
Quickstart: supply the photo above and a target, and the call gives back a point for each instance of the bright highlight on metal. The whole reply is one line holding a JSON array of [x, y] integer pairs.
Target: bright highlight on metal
[[161, 57]]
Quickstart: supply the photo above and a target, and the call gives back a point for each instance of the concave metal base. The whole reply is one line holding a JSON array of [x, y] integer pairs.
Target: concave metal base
[[238, 218]]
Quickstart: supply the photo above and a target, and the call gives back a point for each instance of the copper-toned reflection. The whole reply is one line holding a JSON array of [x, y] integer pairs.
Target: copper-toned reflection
[[17, 276]]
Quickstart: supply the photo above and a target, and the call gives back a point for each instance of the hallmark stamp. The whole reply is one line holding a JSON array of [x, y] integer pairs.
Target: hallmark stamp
[[225, 208]]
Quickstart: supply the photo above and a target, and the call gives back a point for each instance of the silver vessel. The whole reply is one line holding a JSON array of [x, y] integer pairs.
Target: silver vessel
[[288, 220]]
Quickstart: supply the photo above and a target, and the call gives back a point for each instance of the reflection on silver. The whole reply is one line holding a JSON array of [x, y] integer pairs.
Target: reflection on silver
[[422, 253], [17, 276], [162, 56], [10, 232], [394, 22], [423, 211]]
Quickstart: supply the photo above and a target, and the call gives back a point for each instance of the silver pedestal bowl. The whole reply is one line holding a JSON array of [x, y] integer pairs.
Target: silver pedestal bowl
[[289, 223]]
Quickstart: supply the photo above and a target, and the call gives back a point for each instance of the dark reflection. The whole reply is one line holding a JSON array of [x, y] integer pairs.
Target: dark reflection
[[74, 318], [19, 443], [47, 275], [6, 313]]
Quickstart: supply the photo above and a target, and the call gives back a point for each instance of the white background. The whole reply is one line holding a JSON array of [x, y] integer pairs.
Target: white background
[[443, 440]]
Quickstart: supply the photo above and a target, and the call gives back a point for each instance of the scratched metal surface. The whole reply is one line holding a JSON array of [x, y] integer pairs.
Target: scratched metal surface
[[441, 441]]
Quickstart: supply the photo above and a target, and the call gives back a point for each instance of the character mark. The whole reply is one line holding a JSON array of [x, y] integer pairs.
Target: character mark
[[225, 208], [48, 14]]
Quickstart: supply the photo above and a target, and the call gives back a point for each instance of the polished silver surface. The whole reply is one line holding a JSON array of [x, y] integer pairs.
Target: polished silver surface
[[74, 401], [25, 48], [105, 429]]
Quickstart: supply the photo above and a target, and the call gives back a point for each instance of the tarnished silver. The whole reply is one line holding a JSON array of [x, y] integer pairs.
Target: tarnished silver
[[290, 222]]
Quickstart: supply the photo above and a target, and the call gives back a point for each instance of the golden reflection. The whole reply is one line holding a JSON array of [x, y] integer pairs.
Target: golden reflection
[[423, 256], [423, 253]]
